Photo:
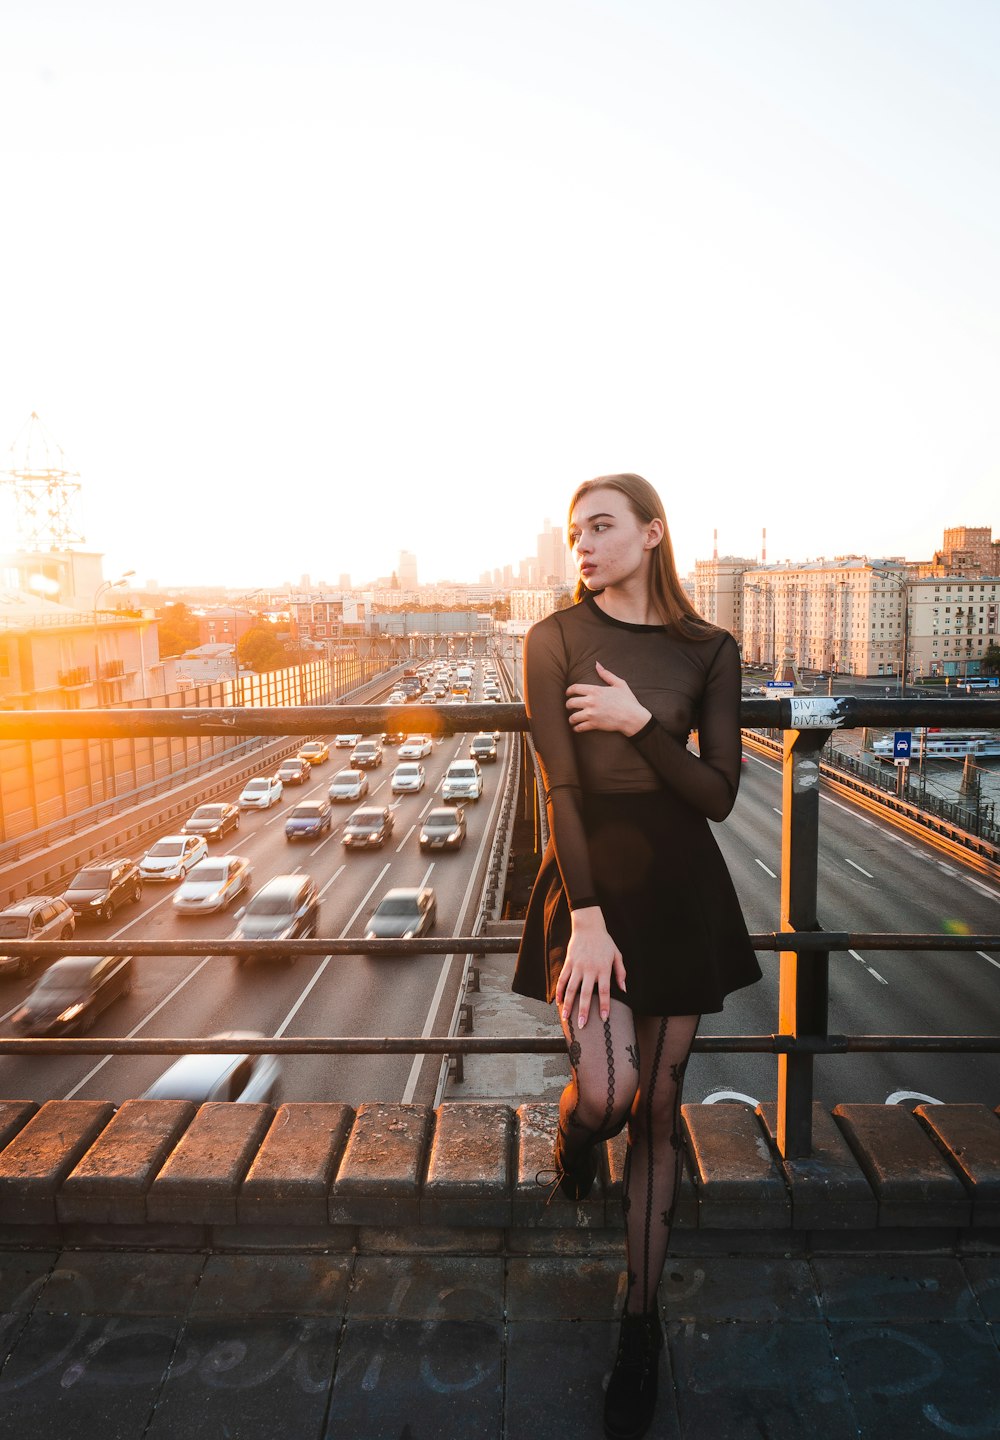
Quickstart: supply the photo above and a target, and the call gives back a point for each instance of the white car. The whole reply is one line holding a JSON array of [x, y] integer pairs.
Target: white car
[[172, 857], [213, 884], [408, 778], [348, 785], [396, 698], [346, 742], [415, 747], [246, 1079], [261, 793], [463, 780]]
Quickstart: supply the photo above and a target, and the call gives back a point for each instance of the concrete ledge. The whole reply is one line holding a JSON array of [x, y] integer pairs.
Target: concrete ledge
[[405, 1179], [912, 1180]]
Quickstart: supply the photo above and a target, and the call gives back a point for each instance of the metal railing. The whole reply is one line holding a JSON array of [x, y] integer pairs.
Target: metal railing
[[804, 948]]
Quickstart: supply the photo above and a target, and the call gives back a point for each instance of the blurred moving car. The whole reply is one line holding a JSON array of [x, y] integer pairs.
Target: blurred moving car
[[443, 829], [366, 755], [261, 793], [408, 778], [286, 908], [463, 780], [96, 891], [416, 747], [346, 742], [172, 857], [368, 828], [245, 1079], [483, 747], [38, 917], [317, 752], [402, 914], [212, 821], [72, 993], [308, 820], [348, 785], [213, 884], [393, 737], [294, 771]]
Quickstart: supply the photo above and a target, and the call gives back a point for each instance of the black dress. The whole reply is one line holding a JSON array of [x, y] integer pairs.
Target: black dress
[[628, 817]]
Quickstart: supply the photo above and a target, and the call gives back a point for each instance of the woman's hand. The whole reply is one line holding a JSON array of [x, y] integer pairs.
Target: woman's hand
[[611, 706], [591, 959]]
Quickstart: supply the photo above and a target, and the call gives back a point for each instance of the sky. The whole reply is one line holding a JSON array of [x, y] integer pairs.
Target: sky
[[295, 287]]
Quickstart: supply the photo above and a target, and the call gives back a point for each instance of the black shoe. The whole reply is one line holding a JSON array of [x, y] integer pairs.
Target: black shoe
[[575, 1178], [631, 1396]]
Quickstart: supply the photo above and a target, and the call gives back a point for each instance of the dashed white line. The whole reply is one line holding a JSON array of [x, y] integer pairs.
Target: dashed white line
[[862, 961], [856, 866], [878, 977], [333, 877], [764, 867], [775, 809], [405, 838], [946, 868], [988, 958]]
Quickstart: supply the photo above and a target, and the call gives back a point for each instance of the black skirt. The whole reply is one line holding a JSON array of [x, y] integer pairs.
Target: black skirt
[[668, 902]]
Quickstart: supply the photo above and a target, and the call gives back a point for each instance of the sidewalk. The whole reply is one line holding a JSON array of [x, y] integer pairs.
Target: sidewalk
[[123, 1344]]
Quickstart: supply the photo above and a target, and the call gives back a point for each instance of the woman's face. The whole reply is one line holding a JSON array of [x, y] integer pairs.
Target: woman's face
[[610, 544]]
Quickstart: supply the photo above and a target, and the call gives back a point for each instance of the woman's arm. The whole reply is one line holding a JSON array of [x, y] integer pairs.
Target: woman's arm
[[708, 782], [591, 956]]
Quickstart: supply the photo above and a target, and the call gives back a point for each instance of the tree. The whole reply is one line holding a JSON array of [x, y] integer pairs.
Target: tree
[[991, 660], [261, 648], [178, 628]]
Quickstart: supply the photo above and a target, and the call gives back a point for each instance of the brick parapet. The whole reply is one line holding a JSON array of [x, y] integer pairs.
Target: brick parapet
[[476, 1178]]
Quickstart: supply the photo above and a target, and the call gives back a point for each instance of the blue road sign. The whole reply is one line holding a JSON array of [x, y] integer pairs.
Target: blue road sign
[[902, 744], [780, 687]]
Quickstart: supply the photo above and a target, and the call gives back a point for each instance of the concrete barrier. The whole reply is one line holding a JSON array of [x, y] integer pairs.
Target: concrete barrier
[[477, 1176]]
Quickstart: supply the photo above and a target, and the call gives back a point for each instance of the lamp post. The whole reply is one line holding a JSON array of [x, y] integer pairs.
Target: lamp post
[[105, 585], [900, 580]]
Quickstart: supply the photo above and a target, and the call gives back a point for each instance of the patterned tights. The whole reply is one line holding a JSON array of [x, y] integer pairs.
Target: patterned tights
[[629, 1069]]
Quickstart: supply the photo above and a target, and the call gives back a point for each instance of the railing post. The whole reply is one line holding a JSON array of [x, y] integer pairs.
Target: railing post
[[803, 985]]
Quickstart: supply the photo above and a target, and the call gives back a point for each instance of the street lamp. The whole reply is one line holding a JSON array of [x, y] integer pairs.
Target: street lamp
[[900, 580], [105, 585]]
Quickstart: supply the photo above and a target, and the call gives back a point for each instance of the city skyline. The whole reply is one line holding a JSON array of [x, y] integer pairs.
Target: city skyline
[[414, 275]]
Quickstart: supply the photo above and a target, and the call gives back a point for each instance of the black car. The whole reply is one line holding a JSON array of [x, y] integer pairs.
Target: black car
[[212, 821], [443, 829], [294, 772], [368, 828], [394, 737], [72, 993], [96, 891], [366, 755]]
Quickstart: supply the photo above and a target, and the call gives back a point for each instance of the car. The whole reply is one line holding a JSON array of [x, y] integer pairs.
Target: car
[[39, 917], [483, 747], [366, 755], [443, 828], [408, 778], [244, 1079], [491, 692], [261, 793], [213, 884], [306, 821], [397, 698], [394, 737], [295, 771], [403, 914], [317, 752], [286, 908], [416, 747], [346, 742], [429, 699], [172, 857], [72, 993], [96, 891], [367, 829], [348, 785], [463, 780], [212, 821]]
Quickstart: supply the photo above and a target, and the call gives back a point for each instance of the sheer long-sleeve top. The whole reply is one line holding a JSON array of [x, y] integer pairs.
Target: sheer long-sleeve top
[[685, 685]]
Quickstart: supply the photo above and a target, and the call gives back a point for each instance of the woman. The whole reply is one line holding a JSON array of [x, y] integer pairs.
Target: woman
[[633, 913]]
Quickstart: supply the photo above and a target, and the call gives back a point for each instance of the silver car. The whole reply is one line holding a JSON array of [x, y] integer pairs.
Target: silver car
[[213, 884], [247, 1079], [408, 778], [348, 785]]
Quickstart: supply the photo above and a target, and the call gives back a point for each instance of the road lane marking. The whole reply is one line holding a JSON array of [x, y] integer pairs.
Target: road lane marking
[[323, 842], [775, 809], [859, 867], [946, 868], [405, 838], [364, 901], [331, 879], [428, 875], [980, 886], [764, 867], [988, 959], [862, 961], [878, 977]]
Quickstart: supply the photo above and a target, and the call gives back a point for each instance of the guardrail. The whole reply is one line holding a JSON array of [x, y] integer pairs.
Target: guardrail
[[803, 946]]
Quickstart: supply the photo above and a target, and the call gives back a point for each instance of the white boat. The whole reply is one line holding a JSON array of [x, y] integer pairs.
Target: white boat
[[937, 744]]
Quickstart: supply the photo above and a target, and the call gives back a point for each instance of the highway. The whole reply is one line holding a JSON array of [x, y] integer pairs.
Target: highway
[[871, 879], [319, 995]]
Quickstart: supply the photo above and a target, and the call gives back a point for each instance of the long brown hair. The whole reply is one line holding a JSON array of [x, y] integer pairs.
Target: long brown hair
[[666, 593]]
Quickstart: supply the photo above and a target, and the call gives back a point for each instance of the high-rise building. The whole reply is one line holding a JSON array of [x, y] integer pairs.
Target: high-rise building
[[973, 542], [553, 555], [407, 571]]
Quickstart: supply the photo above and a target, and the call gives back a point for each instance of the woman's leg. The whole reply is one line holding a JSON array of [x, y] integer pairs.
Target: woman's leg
[[604, 1058], [652, 1178]]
